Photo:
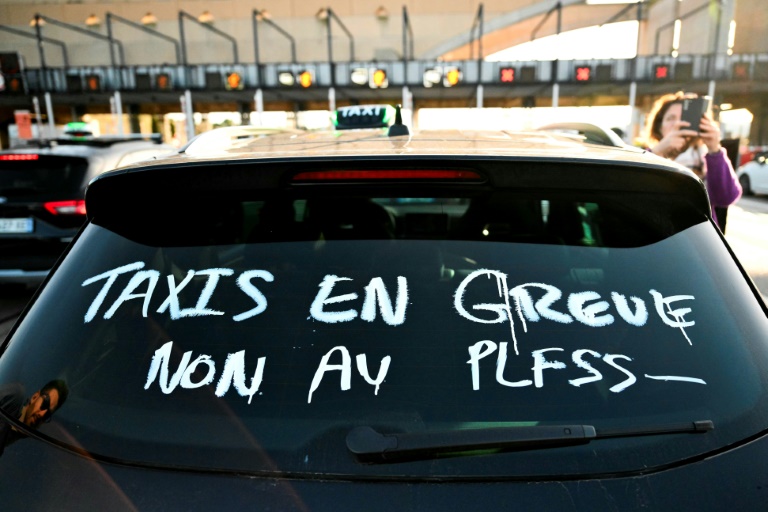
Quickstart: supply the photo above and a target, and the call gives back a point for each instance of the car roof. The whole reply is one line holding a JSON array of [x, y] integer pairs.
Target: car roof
[[85, 146], [235, 151], [252, 143]]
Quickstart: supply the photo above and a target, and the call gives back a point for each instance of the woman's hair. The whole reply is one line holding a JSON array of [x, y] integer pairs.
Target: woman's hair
[[655, 117]]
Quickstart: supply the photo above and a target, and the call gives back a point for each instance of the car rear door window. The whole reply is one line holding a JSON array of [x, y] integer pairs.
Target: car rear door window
[[255, 334], [23, 175]]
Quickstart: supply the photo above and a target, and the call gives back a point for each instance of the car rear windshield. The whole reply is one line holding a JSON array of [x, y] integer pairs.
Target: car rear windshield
[[256, 335], [34, 175]]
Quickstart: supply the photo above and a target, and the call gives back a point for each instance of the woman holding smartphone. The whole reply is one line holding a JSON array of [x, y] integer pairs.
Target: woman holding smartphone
[[697, 148]]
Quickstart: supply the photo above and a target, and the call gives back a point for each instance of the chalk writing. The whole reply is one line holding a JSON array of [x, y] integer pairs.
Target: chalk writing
[[333, 303], [200, 309], [587, 307], [233, 372], [346, 370], [377, 299], [375, 293], [664, 309], [111, 276], [244, 283], [485, 348]]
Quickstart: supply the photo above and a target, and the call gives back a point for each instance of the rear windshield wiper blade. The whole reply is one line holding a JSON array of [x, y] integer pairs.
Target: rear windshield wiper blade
[[372, 446]]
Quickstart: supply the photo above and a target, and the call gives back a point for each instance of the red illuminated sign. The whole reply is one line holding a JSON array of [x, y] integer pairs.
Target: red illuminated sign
[[583, 73], [507, 75], [14, 84], [661, 72], [93, 82], [163, 81], [741, 70]]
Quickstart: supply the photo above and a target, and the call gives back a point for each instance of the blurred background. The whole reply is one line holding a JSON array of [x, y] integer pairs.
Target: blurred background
[[181, 67]]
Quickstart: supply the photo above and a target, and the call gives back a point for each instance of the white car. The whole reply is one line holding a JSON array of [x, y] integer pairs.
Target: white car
[[753, 175]]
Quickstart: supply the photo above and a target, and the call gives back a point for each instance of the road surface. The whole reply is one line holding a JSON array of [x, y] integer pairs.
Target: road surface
[[747, 233]]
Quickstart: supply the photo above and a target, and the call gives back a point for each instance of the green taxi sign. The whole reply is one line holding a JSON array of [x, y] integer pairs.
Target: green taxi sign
[[362, 116], [78, 129]]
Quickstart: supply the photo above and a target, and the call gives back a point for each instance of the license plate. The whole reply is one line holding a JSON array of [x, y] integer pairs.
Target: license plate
[[16, 226]]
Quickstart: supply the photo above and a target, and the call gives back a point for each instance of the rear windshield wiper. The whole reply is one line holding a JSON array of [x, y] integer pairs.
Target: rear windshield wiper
[[372, 446]]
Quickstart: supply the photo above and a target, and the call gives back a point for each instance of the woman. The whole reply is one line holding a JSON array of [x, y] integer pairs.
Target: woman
[[667, 135]]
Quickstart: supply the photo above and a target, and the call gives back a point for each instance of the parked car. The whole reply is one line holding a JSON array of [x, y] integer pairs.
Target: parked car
[[352, 321], [753, 176], [42, 189], [590, 132]]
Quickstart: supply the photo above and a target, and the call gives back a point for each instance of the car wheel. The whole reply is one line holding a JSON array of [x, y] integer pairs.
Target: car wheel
[[745, 185]]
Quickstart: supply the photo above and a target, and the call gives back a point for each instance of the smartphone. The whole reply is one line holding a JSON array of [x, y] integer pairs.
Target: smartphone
[[693, 109]]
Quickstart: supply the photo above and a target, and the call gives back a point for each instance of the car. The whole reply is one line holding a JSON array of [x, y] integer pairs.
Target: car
[[753, 175], [377, 319], [591, 132], [42, 190]]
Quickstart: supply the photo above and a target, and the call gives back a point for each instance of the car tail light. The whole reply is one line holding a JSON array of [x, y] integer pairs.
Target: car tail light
[[386, 175], [65, 207], [20, 156]]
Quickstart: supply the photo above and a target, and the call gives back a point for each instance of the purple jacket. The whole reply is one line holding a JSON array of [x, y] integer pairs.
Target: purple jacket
[[722, 184]]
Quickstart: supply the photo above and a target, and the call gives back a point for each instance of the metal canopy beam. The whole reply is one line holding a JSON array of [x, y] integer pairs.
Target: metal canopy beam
[[64, 54], [332, 15], [88, 33], [184, 14], [110, 16]]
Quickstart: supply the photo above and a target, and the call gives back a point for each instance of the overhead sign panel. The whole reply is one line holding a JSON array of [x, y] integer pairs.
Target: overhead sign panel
[[373, 77], [378, 79], [451, 77], [604, 72], [163, 82], [684, 71], [507, 75], [11, 73], [432, 77], [527, 74], [234, 82], [306, 78], [661, 72], [93, 83], [583, 73], [740, 71], [10, 63], [213, 81], [359, 76], [448, 76], [289, 78], [286, 78]]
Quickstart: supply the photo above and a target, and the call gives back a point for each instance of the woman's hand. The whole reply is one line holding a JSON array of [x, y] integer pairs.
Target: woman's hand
[[710, 134], [677, 140]]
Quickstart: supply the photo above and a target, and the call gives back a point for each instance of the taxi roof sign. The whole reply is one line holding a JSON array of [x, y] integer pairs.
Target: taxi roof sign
[[78, 129], [362, 116]]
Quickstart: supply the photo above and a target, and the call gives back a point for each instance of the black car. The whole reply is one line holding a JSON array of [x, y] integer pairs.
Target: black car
[[352, 321], [42, 190]]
